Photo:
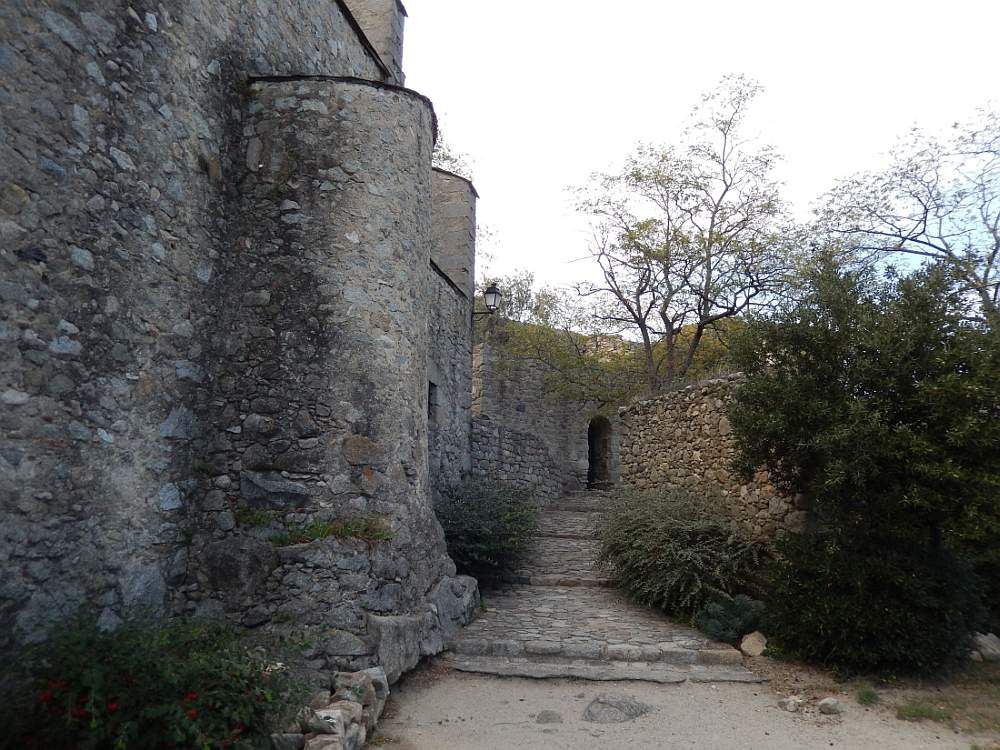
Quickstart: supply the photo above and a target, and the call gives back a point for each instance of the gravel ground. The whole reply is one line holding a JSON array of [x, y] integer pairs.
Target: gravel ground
[[437, 709]]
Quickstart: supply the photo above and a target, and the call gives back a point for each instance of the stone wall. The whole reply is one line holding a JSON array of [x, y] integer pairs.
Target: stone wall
[[215, 302], [382, 22], [683, 439], [522, 433], [452, 275]]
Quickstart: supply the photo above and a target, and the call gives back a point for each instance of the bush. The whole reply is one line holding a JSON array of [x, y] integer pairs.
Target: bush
[[178, 684], [728, 620], [878, 400], [865, 607], [487, 525], [676, 550]]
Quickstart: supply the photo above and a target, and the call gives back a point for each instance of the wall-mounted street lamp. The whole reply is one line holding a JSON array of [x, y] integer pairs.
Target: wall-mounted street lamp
[[491, 297]]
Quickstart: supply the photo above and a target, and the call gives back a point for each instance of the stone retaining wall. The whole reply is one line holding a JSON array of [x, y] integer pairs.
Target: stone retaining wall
[[683, 439]]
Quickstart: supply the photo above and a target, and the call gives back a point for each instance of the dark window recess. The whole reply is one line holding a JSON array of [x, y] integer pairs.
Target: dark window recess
[[432, 402]]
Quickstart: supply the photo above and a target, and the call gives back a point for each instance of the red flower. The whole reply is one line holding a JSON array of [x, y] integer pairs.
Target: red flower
[[80, 712], [192, 713], [112, 707], [191, 696]]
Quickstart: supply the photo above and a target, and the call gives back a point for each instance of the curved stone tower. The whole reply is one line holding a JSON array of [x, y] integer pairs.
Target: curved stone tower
[[216, 302]]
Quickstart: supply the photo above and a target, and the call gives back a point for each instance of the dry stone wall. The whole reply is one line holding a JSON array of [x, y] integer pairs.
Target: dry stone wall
[[523, 434], [683, 439], [215, 307]]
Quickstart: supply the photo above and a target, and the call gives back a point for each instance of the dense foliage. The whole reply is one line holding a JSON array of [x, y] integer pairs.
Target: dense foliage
[[487, 525], [179, 684], [880, 401], [676, 550], [870, 605], [728, 620]]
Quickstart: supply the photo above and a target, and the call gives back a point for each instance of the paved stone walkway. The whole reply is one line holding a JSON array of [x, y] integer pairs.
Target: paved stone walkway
[[560, 617]]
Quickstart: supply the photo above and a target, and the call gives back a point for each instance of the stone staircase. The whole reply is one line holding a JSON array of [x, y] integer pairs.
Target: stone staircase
[[559, 616]]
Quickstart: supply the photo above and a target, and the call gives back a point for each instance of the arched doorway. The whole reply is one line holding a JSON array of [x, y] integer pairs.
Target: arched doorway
[[599, 452]]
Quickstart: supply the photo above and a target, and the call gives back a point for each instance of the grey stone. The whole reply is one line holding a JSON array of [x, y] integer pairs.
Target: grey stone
[[108, 621], [143, 589], [65, 345], [65, 29], [988, 646], [123, 160], [170, 497], [614, 709], [189, 371], [225, 521], [12, 397], [238, 565], [271, 490], [548, 717], [179, 424], [830, 706], [753, 644]]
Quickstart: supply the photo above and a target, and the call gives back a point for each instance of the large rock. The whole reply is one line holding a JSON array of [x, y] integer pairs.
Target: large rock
[[988, 646], [753, 644], [614, 709], [268, 489]]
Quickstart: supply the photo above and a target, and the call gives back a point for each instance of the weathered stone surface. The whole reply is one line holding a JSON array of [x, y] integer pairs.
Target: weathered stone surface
[[548, 717], [271, 490], [988, 646], [684, 439], [614, 709], [753, 644], [524, 435], [830, 706]]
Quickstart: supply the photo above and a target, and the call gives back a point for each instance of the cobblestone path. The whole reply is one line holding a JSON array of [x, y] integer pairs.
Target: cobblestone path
[[560, 617]]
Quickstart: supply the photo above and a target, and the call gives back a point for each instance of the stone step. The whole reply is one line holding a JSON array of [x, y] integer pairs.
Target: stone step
[[573, 506], [597, 651], [561, 524], [563, 558], [567, 581], [657, 672]]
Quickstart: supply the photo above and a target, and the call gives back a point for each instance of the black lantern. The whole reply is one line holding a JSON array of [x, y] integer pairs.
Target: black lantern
[[492, 297]]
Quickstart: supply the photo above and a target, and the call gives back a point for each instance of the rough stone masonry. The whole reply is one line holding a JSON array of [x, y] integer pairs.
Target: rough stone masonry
[[217, 286]]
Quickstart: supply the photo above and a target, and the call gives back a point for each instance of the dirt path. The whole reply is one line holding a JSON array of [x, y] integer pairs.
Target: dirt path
[[435, 709]]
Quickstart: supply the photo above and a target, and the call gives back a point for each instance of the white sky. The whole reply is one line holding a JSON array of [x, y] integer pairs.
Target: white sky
[[541, 93]]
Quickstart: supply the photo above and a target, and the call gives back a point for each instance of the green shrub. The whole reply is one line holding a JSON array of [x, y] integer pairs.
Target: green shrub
[[877, 399], [728, 620], [868, 607], [179, 684], [487, 524], [676, 550]]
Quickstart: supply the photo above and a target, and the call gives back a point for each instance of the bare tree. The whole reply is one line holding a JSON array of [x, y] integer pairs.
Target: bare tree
[[939, 200], [688, 235]]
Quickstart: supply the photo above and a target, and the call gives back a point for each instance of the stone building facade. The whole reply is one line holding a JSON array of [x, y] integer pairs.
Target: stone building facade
[[221, 318], [683, 439], [523, 434]]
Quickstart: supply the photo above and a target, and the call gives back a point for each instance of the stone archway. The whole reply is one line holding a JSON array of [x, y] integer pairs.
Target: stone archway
[[599, 452]]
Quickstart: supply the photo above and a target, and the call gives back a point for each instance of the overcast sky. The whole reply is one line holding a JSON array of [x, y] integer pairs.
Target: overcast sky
[[541, 93]]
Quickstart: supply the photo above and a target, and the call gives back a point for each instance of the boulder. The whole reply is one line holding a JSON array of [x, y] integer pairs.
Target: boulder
[[830, 707], [988, 646], [753, 644]]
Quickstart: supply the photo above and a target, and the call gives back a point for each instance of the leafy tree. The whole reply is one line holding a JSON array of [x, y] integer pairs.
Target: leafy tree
[[939, 199], [688, 235], [880, 401]]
